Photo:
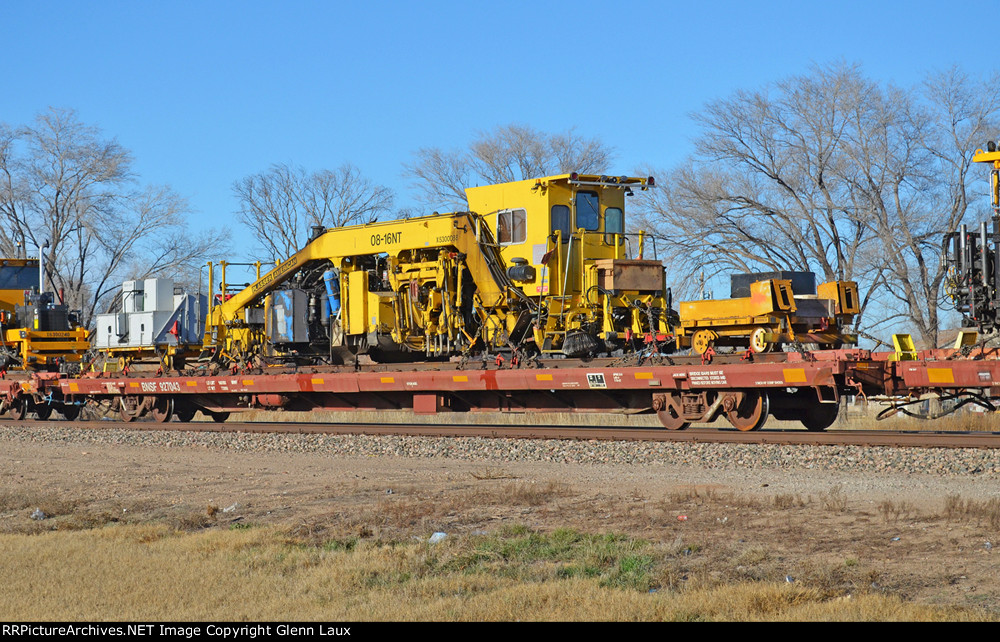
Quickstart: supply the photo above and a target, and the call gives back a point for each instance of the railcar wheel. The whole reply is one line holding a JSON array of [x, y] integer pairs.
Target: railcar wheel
[[129, 408], [671, 421], [162, 409], [670, 415], [70, 411], [220, 417], [747, 410], [184, 412], [18, 409], [703, 340], [43, 411], [820, 417], [758, 341]]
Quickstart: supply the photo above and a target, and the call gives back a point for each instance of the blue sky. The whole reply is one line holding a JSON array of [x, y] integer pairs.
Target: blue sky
[[205, 93]]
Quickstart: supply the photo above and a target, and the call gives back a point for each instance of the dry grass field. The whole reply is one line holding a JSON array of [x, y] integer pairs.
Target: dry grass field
[[155, 572]]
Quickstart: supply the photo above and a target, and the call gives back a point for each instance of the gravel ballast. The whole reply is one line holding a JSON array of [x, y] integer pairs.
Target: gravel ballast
[[965, 462]]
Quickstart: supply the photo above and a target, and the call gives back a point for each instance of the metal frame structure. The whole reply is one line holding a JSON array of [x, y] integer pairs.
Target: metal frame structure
[[806, 386]]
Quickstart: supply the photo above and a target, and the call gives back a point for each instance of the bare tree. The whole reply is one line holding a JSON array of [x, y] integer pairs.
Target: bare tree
[[912, 161], [508, 153], [835, 173], [62, 183], [281, 205]]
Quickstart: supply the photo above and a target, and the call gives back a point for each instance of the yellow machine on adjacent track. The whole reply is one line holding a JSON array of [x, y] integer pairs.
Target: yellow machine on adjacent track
[[36, 332], [539, 267]]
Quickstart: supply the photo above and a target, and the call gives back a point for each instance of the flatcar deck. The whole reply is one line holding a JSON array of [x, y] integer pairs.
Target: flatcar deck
[[744, 390]]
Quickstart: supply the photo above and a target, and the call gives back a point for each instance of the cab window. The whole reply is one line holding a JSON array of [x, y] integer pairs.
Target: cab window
[[588, 210], [614, 223], [18, 277], [560, 221], [512, 227]]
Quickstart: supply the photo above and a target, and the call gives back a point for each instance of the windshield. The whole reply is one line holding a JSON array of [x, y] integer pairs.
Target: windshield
[[18, 277], [588, 210]]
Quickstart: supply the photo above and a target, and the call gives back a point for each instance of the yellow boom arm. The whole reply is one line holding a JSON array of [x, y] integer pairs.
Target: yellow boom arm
[[465, 232]]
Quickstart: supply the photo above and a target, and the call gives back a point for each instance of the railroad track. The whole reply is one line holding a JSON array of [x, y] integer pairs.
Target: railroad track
[[910, 439]]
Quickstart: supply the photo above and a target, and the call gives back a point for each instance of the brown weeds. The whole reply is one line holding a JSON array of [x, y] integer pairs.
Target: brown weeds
[[834, 500], [787, 501], [894, 511], [985, 512], [28, 499], [191, 521]]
